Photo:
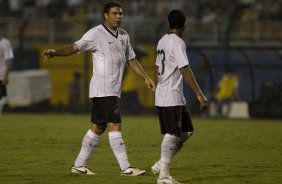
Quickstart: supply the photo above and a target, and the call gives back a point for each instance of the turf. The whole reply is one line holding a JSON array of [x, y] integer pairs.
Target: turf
[[40, 148]]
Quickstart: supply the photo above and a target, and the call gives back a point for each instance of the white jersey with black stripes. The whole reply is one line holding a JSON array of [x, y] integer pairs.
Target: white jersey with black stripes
[[110, 51], [171, 56]]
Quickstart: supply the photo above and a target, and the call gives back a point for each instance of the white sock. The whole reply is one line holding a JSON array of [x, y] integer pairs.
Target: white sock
[[89, 142], [168, 148], [184, 137], [119, 150]]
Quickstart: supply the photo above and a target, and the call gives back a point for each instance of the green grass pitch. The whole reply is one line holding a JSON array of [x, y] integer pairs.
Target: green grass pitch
[[40, 149]]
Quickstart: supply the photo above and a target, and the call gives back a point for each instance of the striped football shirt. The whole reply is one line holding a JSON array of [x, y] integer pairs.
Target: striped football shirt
[[171, 56], [110, 51]]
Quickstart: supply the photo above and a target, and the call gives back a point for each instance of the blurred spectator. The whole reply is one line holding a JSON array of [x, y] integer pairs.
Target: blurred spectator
[[73, 6], [208, 15], [225, 92], [29, 9], [162, 8], [94, 10], [271, 9], [205, 10], [15, 8], [40, 7]]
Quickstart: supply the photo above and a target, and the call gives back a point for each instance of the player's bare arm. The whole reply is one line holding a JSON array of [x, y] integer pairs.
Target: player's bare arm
[[190, 79], [66, 50], [137, 68]]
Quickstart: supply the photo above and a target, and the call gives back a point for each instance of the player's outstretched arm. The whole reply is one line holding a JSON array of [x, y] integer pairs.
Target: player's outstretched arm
[[190, 79], [66, 50], [137, 68]]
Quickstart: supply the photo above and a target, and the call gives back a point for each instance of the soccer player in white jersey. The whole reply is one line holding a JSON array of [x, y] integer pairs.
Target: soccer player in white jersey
[[172, 67], [6, 56], [111, 50]]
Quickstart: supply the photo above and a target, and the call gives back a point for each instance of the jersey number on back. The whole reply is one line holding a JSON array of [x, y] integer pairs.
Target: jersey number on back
[[161, 54]]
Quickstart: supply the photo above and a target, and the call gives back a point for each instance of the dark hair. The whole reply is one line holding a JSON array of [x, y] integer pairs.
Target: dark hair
[[176, 19], [110, 5]]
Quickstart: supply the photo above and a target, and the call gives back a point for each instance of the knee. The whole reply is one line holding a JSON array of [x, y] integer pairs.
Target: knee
[[114, 127], [98, 129]]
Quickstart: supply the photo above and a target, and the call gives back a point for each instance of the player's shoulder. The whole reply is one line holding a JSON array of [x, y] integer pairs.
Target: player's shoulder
[[5, 42], [172, 37], [95, 29], [93, 32], [177, 39]]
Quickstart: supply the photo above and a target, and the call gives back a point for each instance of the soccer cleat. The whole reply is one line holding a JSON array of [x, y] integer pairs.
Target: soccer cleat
[[156, 168], [167, 180], [132, 171], [81, 170]]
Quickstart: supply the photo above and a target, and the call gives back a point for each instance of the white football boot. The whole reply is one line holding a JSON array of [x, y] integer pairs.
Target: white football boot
[[132, 171], [167, 180], [81, 170]]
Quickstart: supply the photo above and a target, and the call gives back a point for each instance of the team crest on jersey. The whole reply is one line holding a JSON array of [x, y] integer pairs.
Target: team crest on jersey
[[122, 42]]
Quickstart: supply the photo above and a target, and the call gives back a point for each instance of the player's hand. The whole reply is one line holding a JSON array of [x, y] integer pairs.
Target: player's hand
[[150, 84], [203, 102], [47, 54]]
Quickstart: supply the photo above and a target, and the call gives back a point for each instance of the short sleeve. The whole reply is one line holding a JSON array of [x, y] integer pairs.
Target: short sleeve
[[180, 54], [87, 42], [130, 54]]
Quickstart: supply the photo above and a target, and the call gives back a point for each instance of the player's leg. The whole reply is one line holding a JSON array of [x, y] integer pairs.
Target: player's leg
[[179, 144], [116, 140], [186, 128], [90, 141], [187, 131], [168, 147], [117, 145], [170, 122]]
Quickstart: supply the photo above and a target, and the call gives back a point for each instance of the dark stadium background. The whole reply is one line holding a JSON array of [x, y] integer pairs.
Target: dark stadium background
[[244, 35]]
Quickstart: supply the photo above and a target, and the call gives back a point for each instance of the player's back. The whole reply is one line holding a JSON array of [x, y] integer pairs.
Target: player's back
[[171, 56]]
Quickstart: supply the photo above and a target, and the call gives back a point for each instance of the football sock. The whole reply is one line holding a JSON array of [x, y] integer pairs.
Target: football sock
[[184, 137], [167, 149], [119, 150], [89, 142]]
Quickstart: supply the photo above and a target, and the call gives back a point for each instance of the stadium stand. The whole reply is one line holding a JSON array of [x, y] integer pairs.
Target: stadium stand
[[244, 35]]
